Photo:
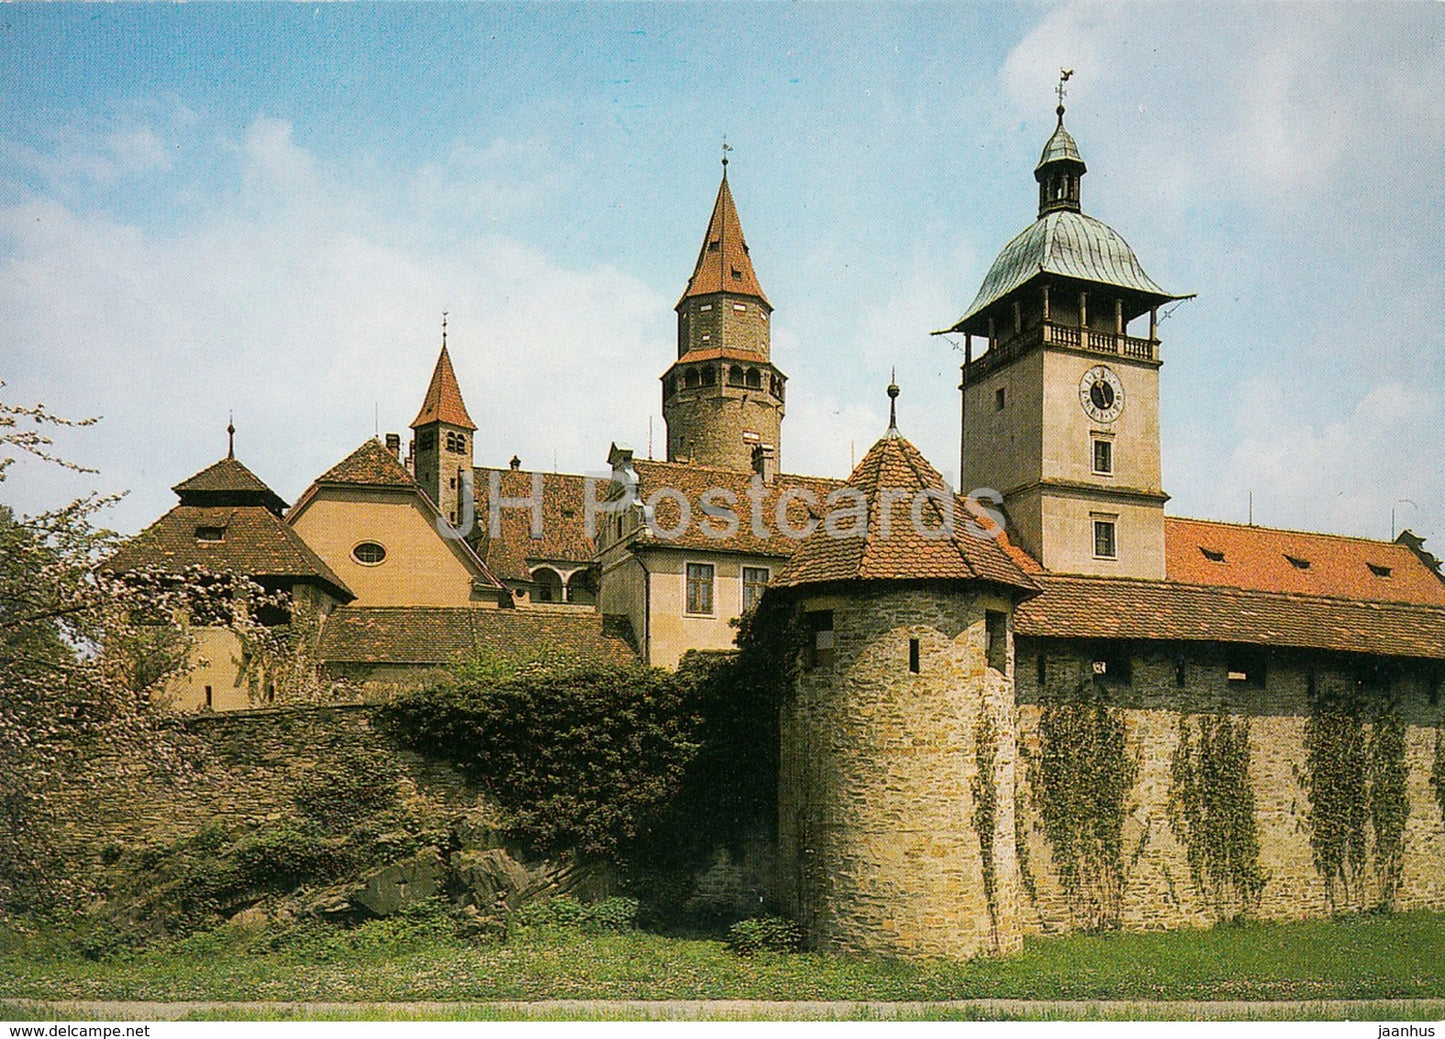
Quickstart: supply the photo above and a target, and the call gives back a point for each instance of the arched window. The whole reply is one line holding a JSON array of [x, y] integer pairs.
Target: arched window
[[735, 375], [582, 588], [548, 585], [709, 376], [690, 380], [755, 379]]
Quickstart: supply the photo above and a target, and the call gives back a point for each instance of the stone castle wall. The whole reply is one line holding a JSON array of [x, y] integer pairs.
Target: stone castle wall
[[1159, 891], [242, 768], [880, 781], [879, 788]]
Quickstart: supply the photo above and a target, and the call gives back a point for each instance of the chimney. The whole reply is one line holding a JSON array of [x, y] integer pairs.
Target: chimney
[[515, 463], [393, 444], [765, 462]]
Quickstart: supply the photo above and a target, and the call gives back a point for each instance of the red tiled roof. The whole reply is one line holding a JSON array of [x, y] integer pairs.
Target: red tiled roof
[[714, 353], [227, 482], [1259, 558], [443, 401], [895, 466], [564, 532], [440, 635], [370, 465], [254, 542], [723, 264], [1128, 608], [693, 481]]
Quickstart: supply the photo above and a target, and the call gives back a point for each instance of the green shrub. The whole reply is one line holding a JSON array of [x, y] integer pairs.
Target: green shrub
[[565, 913], [614, 914], [579, 756], [764, 934], [284, 859]]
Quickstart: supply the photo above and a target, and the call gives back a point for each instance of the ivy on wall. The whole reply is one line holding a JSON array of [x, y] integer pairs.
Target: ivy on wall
[[1081, 775], [1389, 799], [1211, 810], [985, 809], [1354, 777], [1437, 774]]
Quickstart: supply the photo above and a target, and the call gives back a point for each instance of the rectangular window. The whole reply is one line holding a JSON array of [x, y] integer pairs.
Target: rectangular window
[[210, 533], [1103, 456], [699, 588], [998, 398], [755, 579], [995, 626], [1105, 546], [821, 643], [913, 655]]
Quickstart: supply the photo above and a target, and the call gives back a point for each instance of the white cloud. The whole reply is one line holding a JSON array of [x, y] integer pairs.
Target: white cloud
[[312, 310]]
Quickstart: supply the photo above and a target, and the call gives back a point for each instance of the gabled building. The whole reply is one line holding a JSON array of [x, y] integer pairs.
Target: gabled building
[[228, 524], [372, 523]]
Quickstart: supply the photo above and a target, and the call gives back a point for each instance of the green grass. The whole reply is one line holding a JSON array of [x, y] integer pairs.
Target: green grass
[[1372, 957]]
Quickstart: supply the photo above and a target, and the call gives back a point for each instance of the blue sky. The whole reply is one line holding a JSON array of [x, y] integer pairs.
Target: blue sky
[[265, 209]]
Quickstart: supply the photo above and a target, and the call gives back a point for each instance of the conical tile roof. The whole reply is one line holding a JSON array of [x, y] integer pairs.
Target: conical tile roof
[[443, 401], [723, 264], [893, 548]]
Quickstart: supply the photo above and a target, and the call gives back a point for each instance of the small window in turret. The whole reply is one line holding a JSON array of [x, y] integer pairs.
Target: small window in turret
[[995, 625]]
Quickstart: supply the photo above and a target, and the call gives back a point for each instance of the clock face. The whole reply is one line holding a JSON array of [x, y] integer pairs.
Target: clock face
[[1101, 394]]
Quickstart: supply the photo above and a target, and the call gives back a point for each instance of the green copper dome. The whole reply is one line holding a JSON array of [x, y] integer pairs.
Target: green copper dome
[[1069, 245]]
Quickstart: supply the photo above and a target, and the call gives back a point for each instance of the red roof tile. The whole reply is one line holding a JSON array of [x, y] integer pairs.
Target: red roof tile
[[370, 465], [252, 541], [694, 481], [1260, 558], [564, 531], [723, 264], [891, 547], [440, 635], [443, 401], [1127, 608]]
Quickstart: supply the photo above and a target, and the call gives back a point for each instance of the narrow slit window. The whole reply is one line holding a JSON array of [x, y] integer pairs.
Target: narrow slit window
[[995, 625], [913, 651]]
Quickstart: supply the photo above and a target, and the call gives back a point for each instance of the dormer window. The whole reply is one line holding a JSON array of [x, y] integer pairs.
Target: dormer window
[[1297, 562], [211, 534], [737, 274], [712, 246], [1379, 571], [1213, 555]]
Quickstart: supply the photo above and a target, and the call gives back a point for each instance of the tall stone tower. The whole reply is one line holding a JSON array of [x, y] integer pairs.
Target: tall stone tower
[[1061, 410], [442, 448], [722, 399]]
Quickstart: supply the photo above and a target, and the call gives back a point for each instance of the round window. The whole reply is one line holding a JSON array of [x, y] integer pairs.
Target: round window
[[369, 553]]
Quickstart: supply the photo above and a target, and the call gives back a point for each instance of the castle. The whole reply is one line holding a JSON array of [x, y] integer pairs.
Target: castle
[[1080, 712]]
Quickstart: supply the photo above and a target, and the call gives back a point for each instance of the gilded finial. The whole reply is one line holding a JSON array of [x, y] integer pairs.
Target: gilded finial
[[725, 149], [1064, 76], [444, 329], [231, 435], [893, 400]]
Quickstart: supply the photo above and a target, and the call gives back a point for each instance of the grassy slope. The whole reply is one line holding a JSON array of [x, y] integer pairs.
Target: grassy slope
[[1378, 957]]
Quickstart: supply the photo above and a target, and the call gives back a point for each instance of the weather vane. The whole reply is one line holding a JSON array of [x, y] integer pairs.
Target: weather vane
[[726, 148], [1064, 76], [444, 328]]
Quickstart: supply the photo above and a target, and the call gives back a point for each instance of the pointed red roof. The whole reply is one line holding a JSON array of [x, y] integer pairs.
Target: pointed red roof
[[894, 550], [443, 402], [370, 465], [723, 264]]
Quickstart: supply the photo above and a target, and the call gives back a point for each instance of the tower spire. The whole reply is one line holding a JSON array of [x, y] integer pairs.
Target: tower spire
[[893, 402], [231, 435], [1060, 167]]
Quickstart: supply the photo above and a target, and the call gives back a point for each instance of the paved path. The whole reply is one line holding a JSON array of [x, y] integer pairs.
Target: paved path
[[741, 1009]]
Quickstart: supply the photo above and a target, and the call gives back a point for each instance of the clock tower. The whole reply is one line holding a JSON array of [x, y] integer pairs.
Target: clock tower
[[1061, 401]]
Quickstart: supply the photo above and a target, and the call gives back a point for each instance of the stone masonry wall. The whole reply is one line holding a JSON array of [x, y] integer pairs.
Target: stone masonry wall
[[878, 847], [1159, 891], [244, 768]]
